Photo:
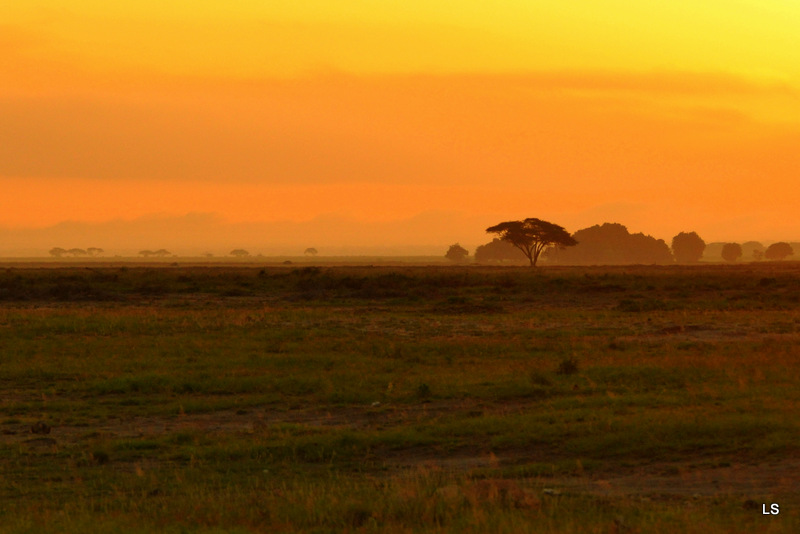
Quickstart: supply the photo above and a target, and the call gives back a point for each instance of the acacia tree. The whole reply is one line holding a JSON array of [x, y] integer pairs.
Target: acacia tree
[[239, 253], [731, 251], [688, 247], [532, 236], [456, 253], [311, 251], [778, 251]]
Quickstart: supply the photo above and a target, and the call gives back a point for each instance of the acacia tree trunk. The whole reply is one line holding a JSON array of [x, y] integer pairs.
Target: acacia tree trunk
[[535, 255], [529, 254]]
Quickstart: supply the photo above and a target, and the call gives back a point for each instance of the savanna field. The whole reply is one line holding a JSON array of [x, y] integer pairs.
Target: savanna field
[[180, 398]]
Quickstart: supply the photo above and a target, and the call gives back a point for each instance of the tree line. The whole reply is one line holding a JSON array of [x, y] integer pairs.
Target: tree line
[[58, 252], [609, 243]]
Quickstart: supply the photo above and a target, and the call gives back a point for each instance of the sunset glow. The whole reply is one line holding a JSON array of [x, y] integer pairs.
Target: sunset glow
[[663, 116]]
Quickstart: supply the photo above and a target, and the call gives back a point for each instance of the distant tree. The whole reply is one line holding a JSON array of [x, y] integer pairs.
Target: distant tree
[[57, 252], [208, 255], [612, 244], [778, 251], [753, 249], [94, 251], [146, 253], [162, 253], [456, 253], [496, 250], [532, 236], [77, 252], [648, 249], [239, 253], [688, 247], [311, 251], [731, 251]]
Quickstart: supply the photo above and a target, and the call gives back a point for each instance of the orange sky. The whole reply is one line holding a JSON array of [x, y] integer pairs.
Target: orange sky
[[664, 116]]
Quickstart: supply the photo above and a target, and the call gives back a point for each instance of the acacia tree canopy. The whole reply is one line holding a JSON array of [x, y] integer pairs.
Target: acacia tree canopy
[[532, 236]]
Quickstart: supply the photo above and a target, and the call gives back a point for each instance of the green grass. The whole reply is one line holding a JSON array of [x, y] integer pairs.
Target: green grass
[[399, 399]]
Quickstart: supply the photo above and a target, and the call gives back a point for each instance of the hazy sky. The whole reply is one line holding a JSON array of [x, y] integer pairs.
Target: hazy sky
[[663, 115]]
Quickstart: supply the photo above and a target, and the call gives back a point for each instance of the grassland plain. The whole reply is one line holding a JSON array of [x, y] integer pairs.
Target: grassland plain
[[399, 399]]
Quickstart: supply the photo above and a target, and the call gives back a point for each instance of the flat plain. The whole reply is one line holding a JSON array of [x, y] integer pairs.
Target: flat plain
[[278, 398]]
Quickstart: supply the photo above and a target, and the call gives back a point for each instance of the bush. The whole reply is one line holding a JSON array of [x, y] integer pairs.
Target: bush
[[567, 366]]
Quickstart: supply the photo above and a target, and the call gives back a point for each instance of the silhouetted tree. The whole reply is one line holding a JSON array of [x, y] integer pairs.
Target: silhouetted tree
[[57, 252], [94, 251], [162, 252], [611, 243], [456, 253], [76, 252], [688, 247], [146, 253], [311, 251], [778, 251], [532, 236], [496, 250], [731, 251], [239, 253]]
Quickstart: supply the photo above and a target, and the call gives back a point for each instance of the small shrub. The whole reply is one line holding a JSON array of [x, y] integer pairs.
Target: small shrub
[[538, 378], [306, 271], [423, 391], [356, 515], [644, 305], [567, 366], [100, 457]]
